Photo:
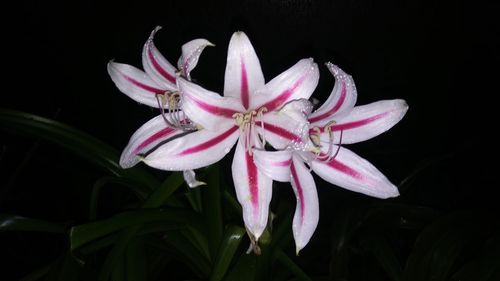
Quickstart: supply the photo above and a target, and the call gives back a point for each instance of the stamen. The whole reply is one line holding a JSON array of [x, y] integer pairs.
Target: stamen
[[174, 119], [246, 122], [260, 115], [316, 139], [161, 105]]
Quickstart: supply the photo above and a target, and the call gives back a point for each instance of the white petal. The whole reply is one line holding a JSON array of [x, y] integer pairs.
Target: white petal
[[147, 137], [352, 172], [191, 52], [194, 150], [341, 100], [275, 164], [306, 214], [190, 179], [283, 131], [243, 74], [157, 66], [368, 121], [298, 82], [205, 107], [135, 83], [253, 190]]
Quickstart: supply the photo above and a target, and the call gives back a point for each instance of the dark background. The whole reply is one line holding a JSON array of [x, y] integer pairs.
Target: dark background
[[441, 57]]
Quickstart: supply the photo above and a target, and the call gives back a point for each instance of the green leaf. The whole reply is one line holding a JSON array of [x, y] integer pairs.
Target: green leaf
[[17, 223], [37, 274], [100, 183], [75, 140], [158, 197], [211, 197], [227, 248], [439, 246], [245, 268], [385, 255], [484, 265], [163, 193], [183, 250], [288, 263], [85, 233], [136, 261]]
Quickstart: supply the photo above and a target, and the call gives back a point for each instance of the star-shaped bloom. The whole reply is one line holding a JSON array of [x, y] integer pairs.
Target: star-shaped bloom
[[246, 114], [335, 123], [159, 77], [157, 87]]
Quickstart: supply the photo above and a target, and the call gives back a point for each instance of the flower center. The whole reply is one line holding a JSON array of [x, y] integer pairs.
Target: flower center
[[173, 116], [246, 122], [315, 137]]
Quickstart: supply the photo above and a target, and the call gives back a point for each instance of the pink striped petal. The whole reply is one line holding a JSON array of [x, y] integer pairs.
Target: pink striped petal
[[283, 131], [368, 121], [243, 72], [341, 100], [253, 190], [274, 164], [193, 150], [146, 139], [135, 83], [205, 107], [354, 173], [191, 52], [298, 82], [306, 214], [157, 66]]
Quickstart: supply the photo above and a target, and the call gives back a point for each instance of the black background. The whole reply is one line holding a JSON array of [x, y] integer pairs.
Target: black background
[[441, 57]]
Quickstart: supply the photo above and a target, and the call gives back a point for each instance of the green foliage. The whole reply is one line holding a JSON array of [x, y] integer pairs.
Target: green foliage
[[172, 232]]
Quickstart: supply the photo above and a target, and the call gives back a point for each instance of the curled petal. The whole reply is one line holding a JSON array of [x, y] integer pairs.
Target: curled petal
[[157, 66], [135, 83], [253, 190], [193, 150], [306, 214], [274, 164], [367, 121], [298, 82], [354, 173], [283, 131], [191, 52], [243, 74], [155, 132], [190, 179], [297, 109], [205, 107], [341, 100]]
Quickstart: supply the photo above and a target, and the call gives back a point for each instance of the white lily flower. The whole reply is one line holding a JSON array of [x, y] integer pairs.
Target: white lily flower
[[157, 87], [246, 115], [335, 123]]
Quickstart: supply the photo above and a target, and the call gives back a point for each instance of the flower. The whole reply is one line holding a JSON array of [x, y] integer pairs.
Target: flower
[[335, 123], [157, 87], [159, 77], [246, 114]]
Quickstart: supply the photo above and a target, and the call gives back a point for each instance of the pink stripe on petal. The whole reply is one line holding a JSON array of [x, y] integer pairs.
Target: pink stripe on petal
[[334, 109], [341, 167], [216, 110], [300, 192], [252, 180], [279, 131], [158, 67], [283, 163], [283, 97], [156, 136], [209, 143], [244, 84], [143, 86], [353, 125]]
